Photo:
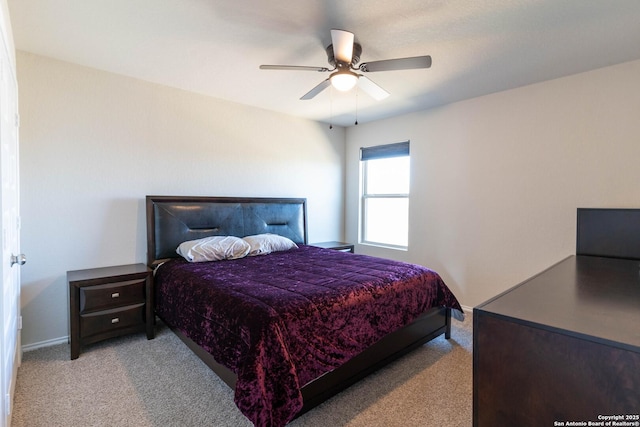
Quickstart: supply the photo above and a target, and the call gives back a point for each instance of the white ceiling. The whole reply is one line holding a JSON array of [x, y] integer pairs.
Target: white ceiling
[[214, 47]]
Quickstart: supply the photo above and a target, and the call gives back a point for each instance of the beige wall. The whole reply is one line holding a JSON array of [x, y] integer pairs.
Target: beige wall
[[495, 184], [496, 180], [93, 144]]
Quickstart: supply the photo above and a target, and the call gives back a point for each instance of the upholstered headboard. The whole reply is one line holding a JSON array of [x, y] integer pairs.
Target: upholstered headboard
[[172, 220], [613, 233]]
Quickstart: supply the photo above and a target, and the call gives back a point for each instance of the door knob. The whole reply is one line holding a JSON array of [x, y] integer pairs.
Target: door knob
[[18, 259]]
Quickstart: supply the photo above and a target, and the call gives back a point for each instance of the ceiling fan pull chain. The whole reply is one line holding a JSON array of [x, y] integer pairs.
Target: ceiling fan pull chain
[[356, 123], [331, 108]]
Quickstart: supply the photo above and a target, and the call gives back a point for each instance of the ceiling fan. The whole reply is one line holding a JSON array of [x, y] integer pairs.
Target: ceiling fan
[[343, 54]]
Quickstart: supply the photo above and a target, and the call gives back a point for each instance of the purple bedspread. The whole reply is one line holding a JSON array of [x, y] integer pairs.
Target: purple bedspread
[[281, 320]]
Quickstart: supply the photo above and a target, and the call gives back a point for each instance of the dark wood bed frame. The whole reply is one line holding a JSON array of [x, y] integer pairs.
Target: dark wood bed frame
[[174, 219]]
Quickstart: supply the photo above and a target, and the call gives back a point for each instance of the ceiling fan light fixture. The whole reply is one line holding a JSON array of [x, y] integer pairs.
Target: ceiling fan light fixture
[[344, 80]]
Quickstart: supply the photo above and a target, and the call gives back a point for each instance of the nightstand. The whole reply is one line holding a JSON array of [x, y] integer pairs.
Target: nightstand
[[338, 246], [108, 302]]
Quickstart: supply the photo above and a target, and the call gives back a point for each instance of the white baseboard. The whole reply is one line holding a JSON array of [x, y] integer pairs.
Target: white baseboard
[[466, 309], [47, 343]]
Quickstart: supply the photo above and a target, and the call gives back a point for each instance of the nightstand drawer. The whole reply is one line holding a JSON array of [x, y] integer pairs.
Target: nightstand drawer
[[112, 295], [111, 320]]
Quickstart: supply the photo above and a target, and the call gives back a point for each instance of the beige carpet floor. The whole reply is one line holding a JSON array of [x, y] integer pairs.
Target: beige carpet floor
[[131, 381]]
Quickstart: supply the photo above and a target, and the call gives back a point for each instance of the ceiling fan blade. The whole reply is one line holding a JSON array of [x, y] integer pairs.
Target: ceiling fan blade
[[342, 45], [371, 88], [397, 64], [316, 90], [293, 68]]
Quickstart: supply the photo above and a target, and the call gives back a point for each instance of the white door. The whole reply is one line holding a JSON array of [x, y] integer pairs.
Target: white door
[[10, 260]]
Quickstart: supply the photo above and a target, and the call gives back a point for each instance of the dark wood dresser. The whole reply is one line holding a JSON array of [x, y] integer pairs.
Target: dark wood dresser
[[109, 302], [564, 346]]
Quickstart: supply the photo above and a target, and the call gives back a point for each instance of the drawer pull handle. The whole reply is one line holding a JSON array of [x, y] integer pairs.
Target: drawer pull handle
[[115, 295], [115, 320]]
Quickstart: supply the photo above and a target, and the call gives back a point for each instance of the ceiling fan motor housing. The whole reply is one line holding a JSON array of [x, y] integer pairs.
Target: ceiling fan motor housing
[[355, 57]]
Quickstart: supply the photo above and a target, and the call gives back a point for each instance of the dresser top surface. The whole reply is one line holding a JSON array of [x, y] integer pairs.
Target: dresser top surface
[[591, 296]]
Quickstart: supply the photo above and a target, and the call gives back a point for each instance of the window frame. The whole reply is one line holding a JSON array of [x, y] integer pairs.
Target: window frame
[[386, 151]]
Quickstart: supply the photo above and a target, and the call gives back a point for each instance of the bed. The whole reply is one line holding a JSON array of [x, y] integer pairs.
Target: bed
[[288, 329]]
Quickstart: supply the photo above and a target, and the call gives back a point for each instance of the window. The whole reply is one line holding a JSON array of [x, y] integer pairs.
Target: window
[[385, 195]]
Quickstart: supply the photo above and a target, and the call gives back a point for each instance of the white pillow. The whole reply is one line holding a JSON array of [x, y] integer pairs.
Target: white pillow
[[262, 244], [213, 248]]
